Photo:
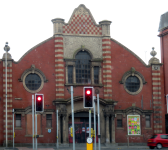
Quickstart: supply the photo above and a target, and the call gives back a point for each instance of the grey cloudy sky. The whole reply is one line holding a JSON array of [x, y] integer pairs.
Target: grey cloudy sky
[[135, 23]]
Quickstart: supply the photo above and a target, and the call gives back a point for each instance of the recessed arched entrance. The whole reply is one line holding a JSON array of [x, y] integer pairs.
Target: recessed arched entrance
[[81, 124]]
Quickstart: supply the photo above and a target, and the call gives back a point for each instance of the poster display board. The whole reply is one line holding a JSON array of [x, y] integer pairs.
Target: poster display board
[[133, 124]]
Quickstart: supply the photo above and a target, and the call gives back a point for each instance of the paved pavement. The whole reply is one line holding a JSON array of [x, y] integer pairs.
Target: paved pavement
[[82, 147]]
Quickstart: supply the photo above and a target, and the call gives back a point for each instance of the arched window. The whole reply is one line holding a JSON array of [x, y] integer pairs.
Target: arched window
[[83, 73]]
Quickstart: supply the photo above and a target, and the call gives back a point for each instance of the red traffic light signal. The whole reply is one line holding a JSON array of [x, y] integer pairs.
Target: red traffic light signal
[[88, 97], [39, 98], [88, 92], [39, 102]]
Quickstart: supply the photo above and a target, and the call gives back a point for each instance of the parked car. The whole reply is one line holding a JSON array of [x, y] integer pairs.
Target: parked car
[[158, 140]]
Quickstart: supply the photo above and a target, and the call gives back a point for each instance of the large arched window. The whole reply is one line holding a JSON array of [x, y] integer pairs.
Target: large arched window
[[83, 73]]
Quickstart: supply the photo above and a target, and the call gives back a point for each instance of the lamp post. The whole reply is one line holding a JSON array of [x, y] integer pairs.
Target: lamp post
[[6, 48]]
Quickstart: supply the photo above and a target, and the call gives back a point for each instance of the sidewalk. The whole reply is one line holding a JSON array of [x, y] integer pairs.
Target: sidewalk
[[82, 147]]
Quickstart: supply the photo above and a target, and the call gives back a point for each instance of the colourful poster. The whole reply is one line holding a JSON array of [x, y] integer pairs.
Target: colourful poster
[[133, 124]]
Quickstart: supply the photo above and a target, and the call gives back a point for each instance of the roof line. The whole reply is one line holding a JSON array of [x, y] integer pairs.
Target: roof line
[[130, 52], [16, 62]]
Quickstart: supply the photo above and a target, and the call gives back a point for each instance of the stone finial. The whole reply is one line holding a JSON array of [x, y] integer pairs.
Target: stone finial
[[7, 48], [153, 52], [105, 27], [153, 60], [58, 25]]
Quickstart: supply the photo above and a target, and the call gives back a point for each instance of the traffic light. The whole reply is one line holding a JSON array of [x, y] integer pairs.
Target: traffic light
[[39, 102], [88, 97]]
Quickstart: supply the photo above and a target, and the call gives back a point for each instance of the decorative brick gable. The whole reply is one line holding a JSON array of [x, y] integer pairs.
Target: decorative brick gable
[[82, 22]]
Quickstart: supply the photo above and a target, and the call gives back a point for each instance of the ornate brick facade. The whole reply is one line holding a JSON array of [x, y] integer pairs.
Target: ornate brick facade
[[54, 60]]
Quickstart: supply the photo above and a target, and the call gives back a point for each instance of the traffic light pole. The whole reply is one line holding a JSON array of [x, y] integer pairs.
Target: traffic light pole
[[33, 119], [98, 120], [13, 128], [94, 123], [57, 128], [90, 122], [72, 107], [36, 128]]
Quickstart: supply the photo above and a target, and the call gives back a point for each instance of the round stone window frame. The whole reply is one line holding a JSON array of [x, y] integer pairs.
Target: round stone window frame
[[33, 70], [140, 88], [33, 91]]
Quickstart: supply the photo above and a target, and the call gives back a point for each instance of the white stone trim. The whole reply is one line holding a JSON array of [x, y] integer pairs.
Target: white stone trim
[[7, 100], [107, 66], [8, 70], [58, 94], [59, 50], [59, 60], [107, 81], [107, 76], [59, 40], [106, 61], [157, 93], [156, 74], [106, 42], [62, 70], [156, 83], [106, 47], [107, 57], [108, 85], [107, 95], [7, 110], [59, 84], [156, 97], [59, 80], [105, 52], [59, 89], [59, 65], [157, 126], [106, 71], [107, 90], [155, 78], [59, 55], [156, 102], [59, 75], [8, 75], [59, 45], [156, 88]]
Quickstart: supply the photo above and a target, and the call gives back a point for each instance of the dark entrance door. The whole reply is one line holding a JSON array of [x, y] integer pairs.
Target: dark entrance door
[[81, 132], [81, 127]]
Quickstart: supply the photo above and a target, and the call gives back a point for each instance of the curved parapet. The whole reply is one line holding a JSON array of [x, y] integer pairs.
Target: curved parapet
[[131, 52], [16, 62]]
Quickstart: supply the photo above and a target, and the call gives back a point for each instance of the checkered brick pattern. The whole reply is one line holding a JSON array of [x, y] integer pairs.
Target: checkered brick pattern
[[82, 24]]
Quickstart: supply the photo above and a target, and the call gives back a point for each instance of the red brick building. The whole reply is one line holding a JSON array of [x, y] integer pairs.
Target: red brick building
[[82, 53]]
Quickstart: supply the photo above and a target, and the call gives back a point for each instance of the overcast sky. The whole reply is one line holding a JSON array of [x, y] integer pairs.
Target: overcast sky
[[135, 23]]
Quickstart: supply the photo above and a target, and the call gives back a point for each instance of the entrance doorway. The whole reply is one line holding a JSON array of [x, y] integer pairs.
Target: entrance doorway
[[81, 124]]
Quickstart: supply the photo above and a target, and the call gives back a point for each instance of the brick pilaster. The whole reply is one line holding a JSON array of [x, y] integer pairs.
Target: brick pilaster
[[156, 87], [59, 67], [9, 102], [107, 71]]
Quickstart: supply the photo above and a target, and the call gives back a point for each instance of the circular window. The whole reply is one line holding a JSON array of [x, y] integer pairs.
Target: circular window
[[33, 82], [133, 84]]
